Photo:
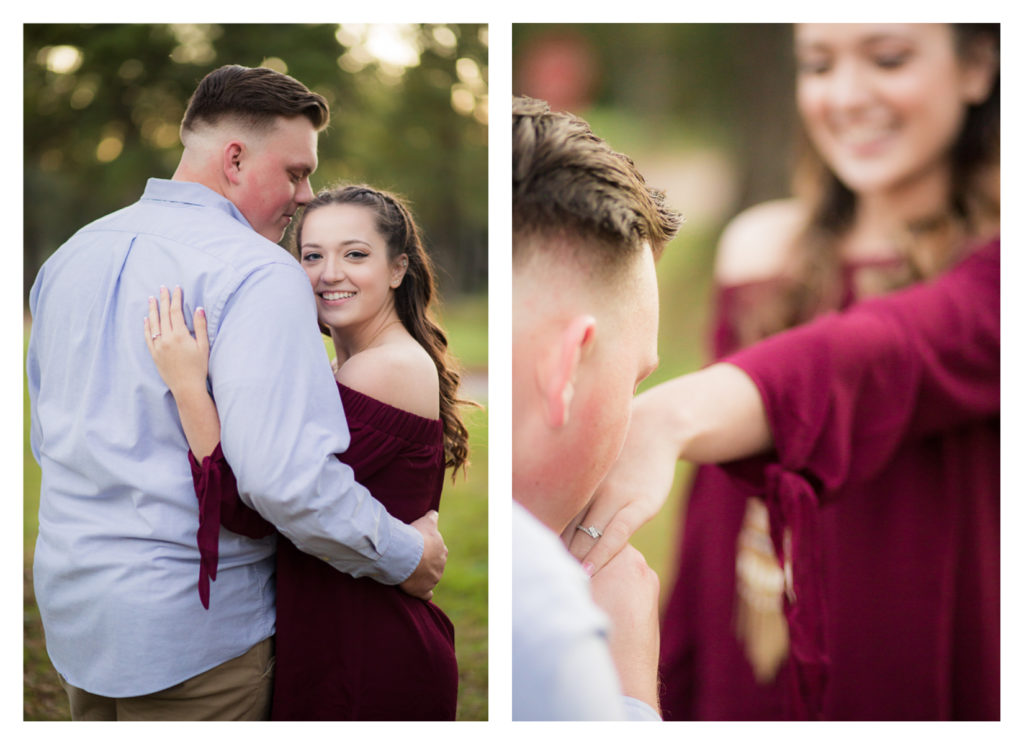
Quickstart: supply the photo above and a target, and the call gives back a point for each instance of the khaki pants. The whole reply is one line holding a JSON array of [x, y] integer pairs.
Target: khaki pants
[[240, 689]]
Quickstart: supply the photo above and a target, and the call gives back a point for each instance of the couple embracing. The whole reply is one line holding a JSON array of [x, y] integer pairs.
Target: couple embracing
[[182, 469]]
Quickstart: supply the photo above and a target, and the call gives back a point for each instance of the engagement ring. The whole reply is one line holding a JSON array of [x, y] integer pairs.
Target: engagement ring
[[156, 334], [591, 531]]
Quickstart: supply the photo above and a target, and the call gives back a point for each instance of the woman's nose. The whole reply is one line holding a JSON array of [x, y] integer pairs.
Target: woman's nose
[[334, 270], [850, 86]]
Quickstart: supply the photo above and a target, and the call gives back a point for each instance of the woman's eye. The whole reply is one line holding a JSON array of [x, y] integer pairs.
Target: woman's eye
[[356, 255], [311, 256], [891, 61]]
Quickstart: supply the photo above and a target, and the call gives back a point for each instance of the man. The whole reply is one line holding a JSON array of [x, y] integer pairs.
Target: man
[[586, 233], [116, 560]]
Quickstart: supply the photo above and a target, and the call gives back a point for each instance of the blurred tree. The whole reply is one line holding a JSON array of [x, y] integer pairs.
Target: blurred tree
[[408, 112], [728, 86]]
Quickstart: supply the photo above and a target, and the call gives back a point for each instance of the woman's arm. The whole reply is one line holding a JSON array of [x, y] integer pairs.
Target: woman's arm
[[182, 361], [833, 398], [709, 416]]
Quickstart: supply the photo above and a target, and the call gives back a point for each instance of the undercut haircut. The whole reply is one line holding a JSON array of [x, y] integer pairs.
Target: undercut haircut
[[568, 184], [255, 96]]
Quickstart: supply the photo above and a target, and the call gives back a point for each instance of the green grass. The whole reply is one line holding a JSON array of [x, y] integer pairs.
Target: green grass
[[465, 320], [462, 592]]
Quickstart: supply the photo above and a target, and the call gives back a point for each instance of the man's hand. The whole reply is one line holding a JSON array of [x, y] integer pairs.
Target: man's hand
[[428, 573], [627, 590], [634, 489]]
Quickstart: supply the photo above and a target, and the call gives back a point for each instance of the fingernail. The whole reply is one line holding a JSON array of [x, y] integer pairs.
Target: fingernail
[[201, 311], [588, 568]]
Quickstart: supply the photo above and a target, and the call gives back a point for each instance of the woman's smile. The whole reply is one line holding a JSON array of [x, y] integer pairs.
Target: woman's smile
[[336, 297]]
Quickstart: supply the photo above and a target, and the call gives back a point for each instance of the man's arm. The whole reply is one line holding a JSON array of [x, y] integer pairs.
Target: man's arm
[[565, 664], [282, 422], [428, 572], [32, 371]]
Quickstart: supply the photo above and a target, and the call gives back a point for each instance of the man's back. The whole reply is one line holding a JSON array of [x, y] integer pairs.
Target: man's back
[[116, 560]]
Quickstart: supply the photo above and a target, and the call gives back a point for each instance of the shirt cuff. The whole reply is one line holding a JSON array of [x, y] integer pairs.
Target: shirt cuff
[[638, 711], [403, 553]]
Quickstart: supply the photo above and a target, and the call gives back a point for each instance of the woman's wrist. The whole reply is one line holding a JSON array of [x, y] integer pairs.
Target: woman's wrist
[[663, 411], [192, 389], [199, 419], [712, 415]]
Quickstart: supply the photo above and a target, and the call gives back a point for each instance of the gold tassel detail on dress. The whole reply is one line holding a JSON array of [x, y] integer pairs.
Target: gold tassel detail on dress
[[760, 582]]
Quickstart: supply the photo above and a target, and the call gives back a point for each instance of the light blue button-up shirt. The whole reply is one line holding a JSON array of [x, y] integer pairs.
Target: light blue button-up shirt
[[562, 669], [116, 562]]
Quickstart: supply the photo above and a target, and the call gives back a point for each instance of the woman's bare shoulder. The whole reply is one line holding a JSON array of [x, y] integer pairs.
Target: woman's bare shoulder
[[400, 374], [756, 244]]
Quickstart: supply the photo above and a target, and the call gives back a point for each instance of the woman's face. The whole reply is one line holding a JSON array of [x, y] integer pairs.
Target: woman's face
[[883, 103], [347, 262]]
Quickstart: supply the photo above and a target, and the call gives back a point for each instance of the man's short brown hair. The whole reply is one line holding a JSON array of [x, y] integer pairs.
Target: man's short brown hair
[[256, 96], [568, 182]]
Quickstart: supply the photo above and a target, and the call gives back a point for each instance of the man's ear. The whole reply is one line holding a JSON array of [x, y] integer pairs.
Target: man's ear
[[231, 157], [558, 371]]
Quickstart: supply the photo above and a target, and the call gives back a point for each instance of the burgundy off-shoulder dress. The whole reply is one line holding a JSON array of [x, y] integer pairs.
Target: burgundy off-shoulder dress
[[347, 648], [886, 473]]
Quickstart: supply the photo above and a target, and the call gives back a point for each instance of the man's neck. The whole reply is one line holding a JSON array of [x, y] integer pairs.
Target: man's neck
[[188, 172]]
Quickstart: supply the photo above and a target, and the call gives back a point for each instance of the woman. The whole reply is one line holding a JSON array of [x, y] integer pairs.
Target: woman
[[883, 603], [347, 648]]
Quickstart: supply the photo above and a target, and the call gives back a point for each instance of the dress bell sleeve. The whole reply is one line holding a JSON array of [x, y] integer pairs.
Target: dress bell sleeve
[[841, 394], [219, 506]]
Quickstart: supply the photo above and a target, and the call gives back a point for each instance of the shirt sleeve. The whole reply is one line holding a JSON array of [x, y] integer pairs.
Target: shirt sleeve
[[33, 373], [573, 681], [562, 669], [638, 711], [282, 423], [214, 484]]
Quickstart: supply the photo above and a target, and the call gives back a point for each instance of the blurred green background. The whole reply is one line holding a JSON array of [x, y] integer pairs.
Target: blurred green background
[[707, 113], [102, 105]]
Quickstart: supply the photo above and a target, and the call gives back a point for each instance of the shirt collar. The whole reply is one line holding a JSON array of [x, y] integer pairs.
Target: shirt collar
[[190, 192]]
